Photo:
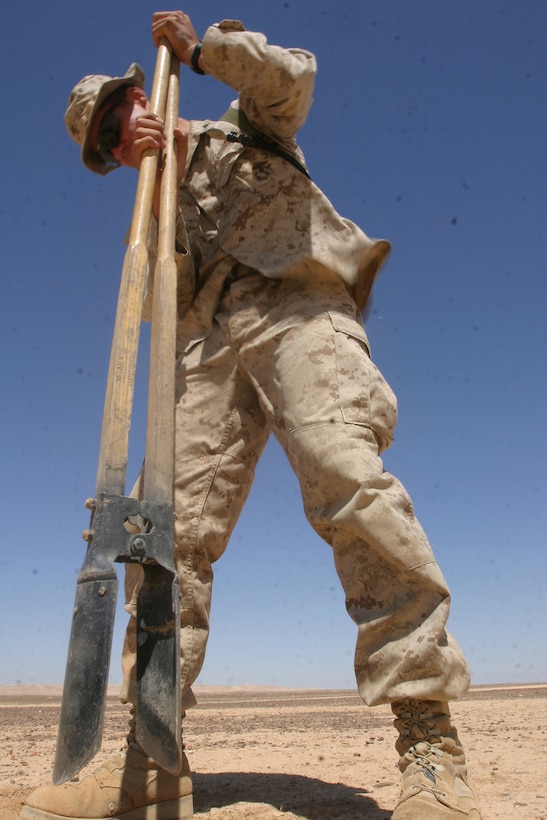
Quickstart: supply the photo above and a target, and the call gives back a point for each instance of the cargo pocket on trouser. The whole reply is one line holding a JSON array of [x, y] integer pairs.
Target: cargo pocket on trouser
[[365, 396]]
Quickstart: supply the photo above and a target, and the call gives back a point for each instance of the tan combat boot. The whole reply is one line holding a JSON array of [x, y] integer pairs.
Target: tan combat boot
[[434, 774], [131, 787]]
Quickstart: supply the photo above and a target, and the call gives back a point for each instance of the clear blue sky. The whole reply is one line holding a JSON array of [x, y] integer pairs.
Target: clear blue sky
[[429, 129]]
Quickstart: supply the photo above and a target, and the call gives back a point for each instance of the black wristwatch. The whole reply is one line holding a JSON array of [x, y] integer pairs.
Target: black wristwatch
[[195, 59]]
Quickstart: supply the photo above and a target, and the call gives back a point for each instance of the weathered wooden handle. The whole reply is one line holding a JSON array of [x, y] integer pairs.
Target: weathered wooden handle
[[160, 433], [113, 451]]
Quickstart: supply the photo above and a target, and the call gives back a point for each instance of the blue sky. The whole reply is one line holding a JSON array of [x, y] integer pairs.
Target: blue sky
[[428, 128]]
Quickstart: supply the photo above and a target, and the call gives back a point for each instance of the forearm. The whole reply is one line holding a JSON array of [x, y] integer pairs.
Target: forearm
[[275, 84]]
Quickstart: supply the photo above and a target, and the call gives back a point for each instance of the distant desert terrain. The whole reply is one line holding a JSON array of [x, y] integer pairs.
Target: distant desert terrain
[[268, 753]]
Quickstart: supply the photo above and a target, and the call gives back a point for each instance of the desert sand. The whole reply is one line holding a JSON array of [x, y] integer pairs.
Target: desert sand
[[299, 754]]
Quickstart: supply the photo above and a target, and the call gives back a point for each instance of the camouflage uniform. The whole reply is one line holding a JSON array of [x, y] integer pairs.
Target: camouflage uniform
[[273, 342]]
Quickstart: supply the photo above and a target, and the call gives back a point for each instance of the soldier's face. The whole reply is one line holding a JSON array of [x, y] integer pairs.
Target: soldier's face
[[112, 133]]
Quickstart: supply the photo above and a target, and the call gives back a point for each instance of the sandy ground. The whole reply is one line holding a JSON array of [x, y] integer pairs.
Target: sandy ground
[[299, 755]]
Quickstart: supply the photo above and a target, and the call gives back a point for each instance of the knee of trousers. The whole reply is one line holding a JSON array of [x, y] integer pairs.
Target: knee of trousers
[[340, 471], [354, 504], [209, 495]]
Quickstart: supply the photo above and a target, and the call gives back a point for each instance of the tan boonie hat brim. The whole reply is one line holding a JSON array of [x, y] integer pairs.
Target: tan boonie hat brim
[[84, 101]]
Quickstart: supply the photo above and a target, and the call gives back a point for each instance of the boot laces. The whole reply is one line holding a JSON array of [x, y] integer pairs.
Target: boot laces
[[416, 722], [426, 758]]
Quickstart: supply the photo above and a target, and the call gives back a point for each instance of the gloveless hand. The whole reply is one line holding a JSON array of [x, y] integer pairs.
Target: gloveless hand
[[177, 28]]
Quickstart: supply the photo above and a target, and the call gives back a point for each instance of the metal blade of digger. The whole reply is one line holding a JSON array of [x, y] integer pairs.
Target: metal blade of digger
[[86, 679], [158, 724], [82, 709], [158, 727]]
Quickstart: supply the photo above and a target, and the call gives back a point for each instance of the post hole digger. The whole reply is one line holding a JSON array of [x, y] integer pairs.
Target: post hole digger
[[124, 529]]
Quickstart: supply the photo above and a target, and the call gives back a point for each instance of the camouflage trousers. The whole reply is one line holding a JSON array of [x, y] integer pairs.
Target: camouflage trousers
[[292, 359]]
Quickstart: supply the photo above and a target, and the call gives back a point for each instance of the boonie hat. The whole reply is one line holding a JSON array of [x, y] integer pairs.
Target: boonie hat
[[84, 101]]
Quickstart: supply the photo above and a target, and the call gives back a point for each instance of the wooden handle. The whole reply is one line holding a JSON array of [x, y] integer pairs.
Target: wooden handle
[[160, 433], [113, 451]]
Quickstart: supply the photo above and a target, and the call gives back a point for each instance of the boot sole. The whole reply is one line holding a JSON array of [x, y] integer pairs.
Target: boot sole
[[180, 809]]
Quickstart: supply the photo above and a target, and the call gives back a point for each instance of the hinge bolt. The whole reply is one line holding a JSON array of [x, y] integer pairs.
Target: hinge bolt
[[138, 547]]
